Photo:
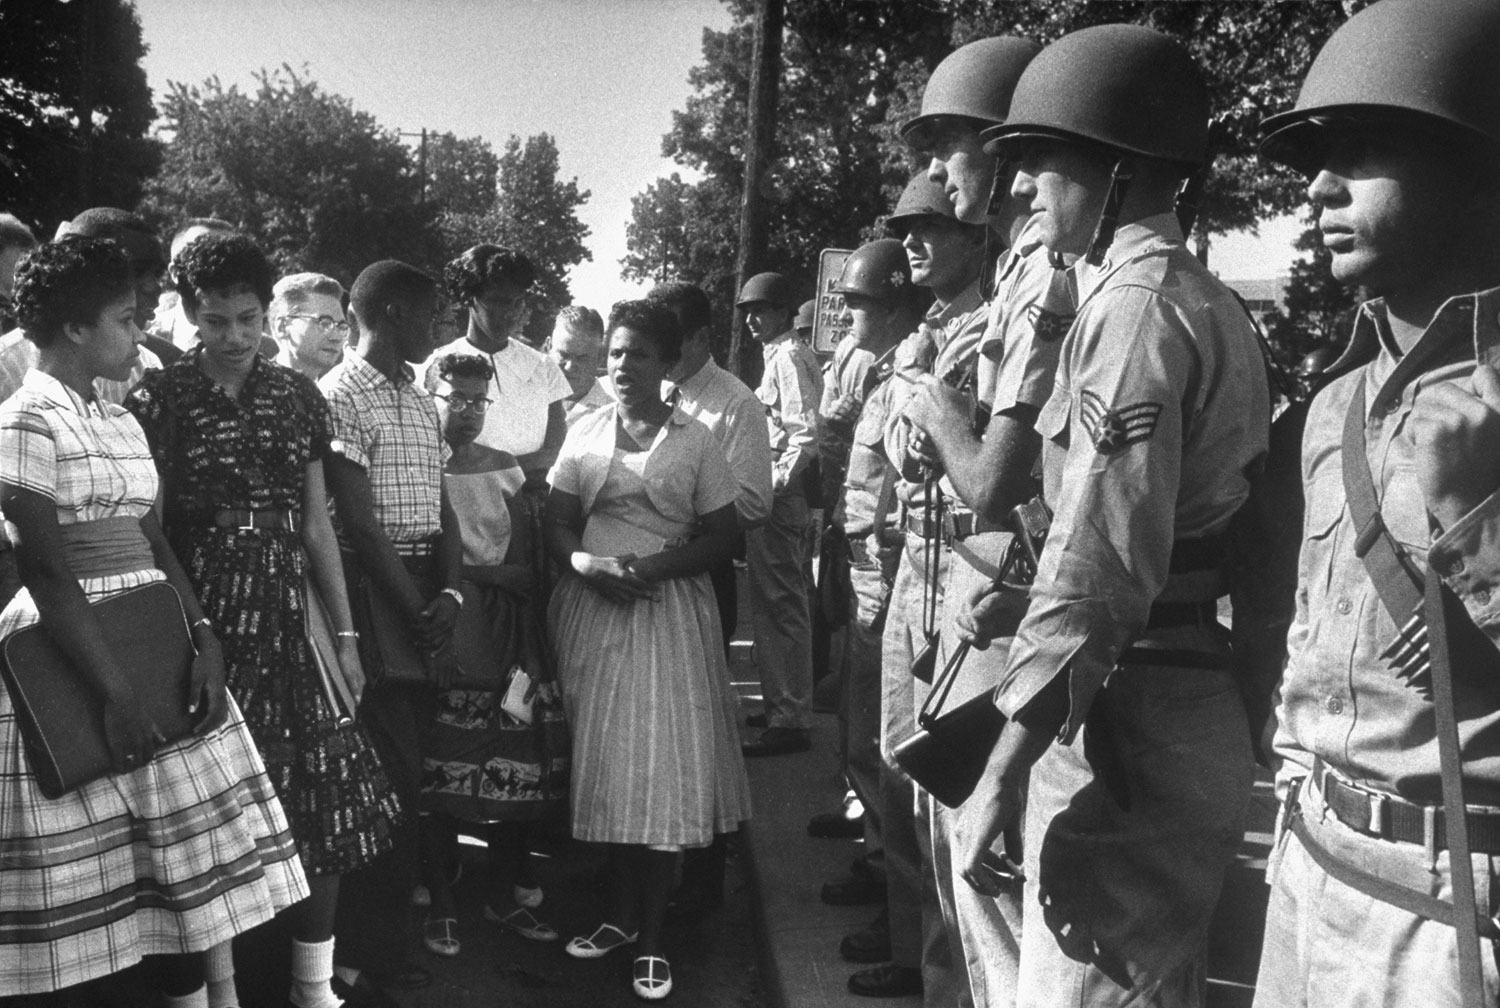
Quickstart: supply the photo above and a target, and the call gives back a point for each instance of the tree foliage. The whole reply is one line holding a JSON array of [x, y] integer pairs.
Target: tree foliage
[[323, 186], [56, 61], [319, 183], [853, 70]]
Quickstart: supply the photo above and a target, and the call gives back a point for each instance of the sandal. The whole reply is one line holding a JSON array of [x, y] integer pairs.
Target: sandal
[[522, 923], [438, 936], [656, 983], [599, 943]]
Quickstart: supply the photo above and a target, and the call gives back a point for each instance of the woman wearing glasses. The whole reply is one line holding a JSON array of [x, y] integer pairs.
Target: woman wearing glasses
[[239, 443], [488, 762], [307, 319]]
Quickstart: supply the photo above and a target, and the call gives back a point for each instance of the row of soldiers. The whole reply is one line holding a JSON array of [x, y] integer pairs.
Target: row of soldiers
[[1097, 370]]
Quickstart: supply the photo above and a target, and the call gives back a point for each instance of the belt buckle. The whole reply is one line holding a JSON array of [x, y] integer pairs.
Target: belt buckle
[[948, 528], [1377, 801]]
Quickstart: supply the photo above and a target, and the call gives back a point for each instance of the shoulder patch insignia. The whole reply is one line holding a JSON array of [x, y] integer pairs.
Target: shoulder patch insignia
[[1111, 430], [1048, 326]]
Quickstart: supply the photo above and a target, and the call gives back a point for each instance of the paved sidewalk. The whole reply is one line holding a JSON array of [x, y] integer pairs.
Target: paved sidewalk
[[800, 934]]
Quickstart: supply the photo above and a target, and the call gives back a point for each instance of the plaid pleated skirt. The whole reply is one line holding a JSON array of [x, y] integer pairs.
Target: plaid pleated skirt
[[182, 854]]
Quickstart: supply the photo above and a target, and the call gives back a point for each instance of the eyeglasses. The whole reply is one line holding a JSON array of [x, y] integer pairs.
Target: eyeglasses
[[463, 404], [324, 324]]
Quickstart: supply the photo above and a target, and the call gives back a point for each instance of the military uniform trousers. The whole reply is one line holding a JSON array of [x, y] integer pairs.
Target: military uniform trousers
[[989, 929], [916, 855], [1123, 871], [1330, 945], [859, 693], [776, 554]]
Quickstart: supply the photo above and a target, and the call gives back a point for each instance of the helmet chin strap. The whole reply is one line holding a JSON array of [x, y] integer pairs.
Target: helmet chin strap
[[1109, 217], [999, 189]]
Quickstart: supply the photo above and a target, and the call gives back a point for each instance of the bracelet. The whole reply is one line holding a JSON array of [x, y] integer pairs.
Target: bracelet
[[348, 633], [201, 621], [455, 595]]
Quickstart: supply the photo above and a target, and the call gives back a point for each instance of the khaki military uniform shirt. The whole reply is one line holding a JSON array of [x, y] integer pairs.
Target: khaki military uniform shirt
[[1160, 407], [790, 389]]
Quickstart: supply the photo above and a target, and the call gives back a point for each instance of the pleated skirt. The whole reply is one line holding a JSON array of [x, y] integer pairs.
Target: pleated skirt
[[182, 854], [656, 753]]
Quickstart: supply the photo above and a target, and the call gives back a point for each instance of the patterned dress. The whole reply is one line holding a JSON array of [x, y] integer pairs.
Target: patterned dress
[[177, 856], [479, 763], [218, 453], [656, 754]]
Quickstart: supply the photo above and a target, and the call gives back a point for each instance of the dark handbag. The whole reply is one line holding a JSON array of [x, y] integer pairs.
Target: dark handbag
[[948, 753], [60, 715]]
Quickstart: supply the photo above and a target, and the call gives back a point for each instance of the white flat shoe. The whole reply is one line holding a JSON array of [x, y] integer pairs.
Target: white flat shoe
[[605, 939], [654, 982]]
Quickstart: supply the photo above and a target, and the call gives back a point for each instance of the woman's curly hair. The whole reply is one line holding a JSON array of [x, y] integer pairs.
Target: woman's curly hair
[[221, 262], [651, 319], [70, 280], [467, 276]]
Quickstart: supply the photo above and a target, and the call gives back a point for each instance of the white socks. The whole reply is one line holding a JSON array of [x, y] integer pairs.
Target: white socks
[[218, 970], [312, 969], [197, 999]]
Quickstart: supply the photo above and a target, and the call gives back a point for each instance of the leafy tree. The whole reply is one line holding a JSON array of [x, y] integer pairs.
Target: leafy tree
[[841, 61], [853, 71], [74, 108], [537, 213], [459, 173], [319, 183]]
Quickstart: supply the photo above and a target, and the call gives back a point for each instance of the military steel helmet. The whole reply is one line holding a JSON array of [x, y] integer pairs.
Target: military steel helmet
[[772, 287], [1126, 87], [975, 81], [877, 269], [1430, 65], [922, 197], [805, 315]]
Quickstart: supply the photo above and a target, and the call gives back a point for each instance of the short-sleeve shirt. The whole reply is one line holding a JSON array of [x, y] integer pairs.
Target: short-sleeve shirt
[[526, 384], [391, 430], [216, 452], [87, 455], [685, 474], [1033, 309], [737, 418], [18, 355]]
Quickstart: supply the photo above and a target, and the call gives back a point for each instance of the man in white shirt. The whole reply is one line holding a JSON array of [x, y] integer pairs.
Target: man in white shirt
[[576, 346]]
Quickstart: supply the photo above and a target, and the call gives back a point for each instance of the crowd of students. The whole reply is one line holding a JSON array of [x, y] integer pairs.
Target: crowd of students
[[417, 603]]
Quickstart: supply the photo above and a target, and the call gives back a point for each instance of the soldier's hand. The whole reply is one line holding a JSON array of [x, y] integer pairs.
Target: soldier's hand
[[934, 404], [1457, 435], [993, 813], [991, 612], [845, 410]]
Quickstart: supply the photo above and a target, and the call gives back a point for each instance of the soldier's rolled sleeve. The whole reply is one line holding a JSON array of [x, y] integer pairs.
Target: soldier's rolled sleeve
[[1468, 557], [1108, 553]]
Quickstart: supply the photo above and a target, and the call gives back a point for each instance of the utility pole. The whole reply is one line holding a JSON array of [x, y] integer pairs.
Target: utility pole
[[421, 163], [765, 75]]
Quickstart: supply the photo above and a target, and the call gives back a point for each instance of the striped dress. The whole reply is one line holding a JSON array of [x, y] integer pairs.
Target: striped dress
[[656, 753], [182, 854]]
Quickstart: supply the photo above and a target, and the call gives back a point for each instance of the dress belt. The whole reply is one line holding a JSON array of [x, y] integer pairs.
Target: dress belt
[[278, 519], [1377, 814], [952, 526]]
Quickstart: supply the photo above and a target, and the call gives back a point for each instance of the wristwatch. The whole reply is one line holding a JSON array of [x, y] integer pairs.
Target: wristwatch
[[454, 594]]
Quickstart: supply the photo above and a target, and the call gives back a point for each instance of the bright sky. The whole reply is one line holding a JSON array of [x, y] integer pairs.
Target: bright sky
[[602, 76]]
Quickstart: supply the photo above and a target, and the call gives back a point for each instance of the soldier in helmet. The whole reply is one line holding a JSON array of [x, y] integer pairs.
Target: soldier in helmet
[[778, 551], [1159, 408], [1397, 127], [802, 325], [968, 953], [1311, 373]]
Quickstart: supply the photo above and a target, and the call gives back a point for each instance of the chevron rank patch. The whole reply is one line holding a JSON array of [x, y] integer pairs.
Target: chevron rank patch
[[1111, 430], [1048, 326]]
